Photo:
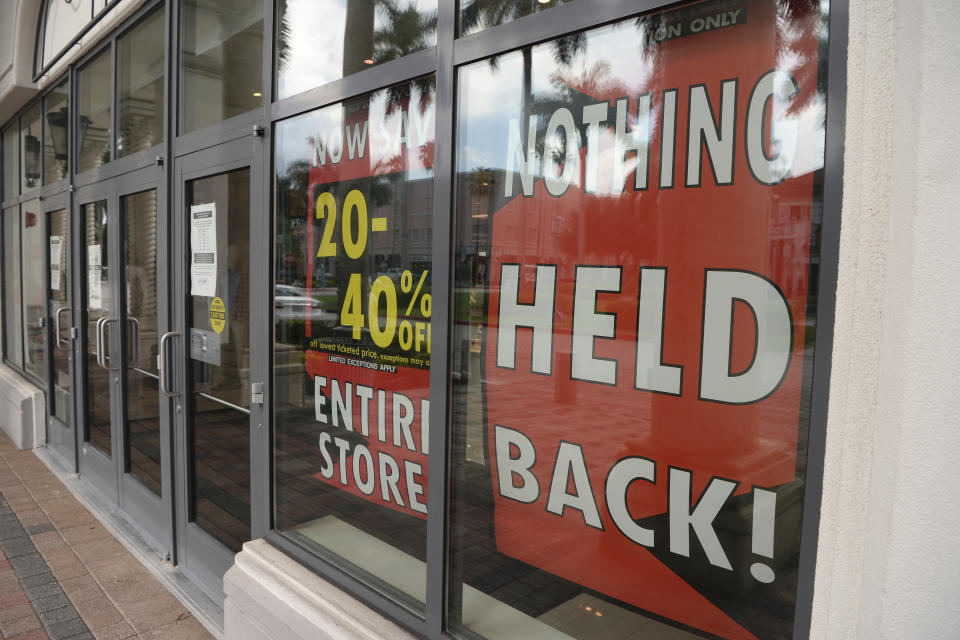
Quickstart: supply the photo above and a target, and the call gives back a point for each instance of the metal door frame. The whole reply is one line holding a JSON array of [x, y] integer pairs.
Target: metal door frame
[[60, 436], [93, 465], [200, 556], [153, 516]]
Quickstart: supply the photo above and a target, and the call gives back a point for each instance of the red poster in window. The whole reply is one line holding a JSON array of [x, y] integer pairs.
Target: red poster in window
[[368, 301], [648, 334]]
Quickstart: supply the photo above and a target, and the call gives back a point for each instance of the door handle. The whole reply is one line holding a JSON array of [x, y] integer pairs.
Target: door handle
[[56, 327], [162, 364], [135, 334], [99, 334], [102, 355]]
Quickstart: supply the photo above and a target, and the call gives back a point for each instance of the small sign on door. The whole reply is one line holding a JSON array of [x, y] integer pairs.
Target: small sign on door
[[203, 250]]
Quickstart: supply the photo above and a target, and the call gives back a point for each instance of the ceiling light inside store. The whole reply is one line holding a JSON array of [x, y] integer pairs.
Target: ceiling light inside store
[[257, 94], [368, 61]]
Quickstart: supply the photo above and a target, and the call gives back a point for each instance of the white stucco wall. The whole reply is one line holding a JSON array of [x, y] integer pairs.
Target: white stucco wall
[[887, 565]]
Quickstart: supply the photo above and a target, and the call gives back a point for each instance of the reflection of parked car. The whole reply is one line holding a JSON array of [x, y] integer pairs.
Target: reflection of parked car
[[291, 303], [393, 274]]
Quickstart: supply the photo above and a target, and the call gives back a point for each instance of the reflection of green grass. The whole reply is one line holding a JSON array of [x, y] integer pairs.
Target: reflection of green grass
[[469, 306], [329, 300]]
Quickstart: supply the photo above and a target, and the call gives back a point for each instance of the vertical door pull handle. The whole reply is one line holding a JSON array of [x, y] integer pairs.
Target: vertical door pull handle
[[56, 327], [99, 335], [134, 356], [162, 364]]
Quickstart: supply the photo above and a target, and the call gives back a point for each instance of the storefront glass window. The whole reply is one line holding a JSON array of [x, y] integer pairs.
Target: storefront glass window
[[12, 314], [221, 60], [30, 136], [140, 63], [638, 210], [11, 162], [352, 307], [94, 127], [56, 109], [325, 41], [477, 15], [31, 237]]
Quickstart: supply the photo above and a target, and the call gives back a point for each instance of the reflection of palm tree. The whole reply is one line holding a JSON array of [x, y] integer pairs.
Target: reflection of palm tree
[[407, 31], [284, 35]]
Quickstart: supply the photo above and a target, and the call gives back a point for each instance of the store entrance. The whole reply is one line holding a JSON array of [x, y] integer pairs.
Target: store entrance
[[217, 365], [124, 450]]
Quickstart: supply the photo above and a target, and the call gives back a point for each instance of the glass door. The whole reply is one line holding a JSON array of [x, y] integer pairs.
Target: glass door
[[216, 362], [145, 489], [59, 337], [125, 444], [99, 324]]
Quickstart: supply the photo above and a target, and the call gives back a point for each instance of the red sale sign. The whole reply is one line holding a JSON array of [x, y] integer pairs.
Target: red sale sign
[[367, 330], [648, 335]]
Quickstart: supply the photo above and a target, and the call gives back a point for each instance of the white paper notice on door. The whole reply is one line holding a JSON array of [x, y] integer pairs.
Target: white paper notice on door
[[56, 245], [203, 250], [94, 297]]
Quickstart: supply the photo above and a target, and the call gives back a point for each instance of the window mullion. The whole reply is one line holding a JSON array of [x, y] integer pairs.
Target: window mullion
[[441, 326]]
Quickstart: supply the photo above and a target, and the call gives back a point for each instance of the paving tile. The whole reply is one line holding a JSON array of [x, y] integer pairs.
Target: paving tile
[[24, 624], [98, 550], [141, 586], [118, 631], [25, 509], [40, 527], [68, 571], [33, 518], [49, 603], [9, 614], [8, 582], [83, 533], [47, 540], [67, 512], [61, 614], [16, 547], [81, 588], [13, 599], [40, 578], [99, 612], [60, 557], [39, 634], [11, 529], [48, 489], [186, 629], [66, 629], [44, 591], [158, 611], [17, 495], [120, 573], [29, 565]]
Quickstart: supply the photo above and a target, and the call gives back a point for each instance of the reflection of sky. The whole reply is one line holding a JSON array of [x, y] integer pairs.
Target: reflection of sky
[[294, 137], [316, 42], [490, 98]]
